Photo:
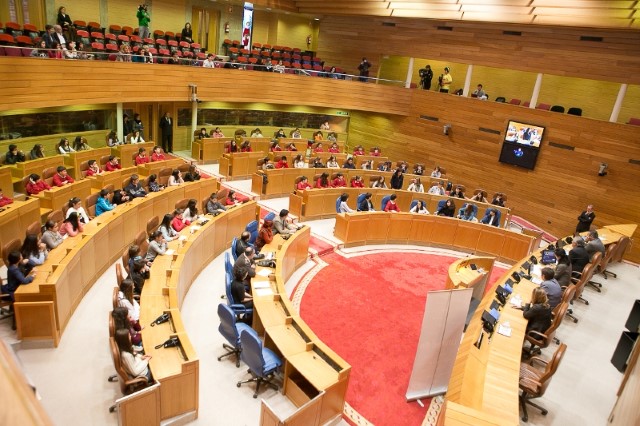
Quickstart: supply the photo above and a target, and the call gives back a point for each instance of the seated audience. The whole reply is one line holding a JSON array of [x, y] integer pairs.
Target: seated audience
[[379, 183], [267, 164], [80, 144], [62, 177], [4, 200], [135, 364], [323, 181], [366, 205], [436, 173], [538, 312], [344, 207], [479, 197], [190, 214], [333, 138], [318, 136], [246, 146], [193, 174], [332, 163], [416, 186], [457, 193], [154, 186], [563, 268], [551, 286], [71, 226], [298, 162], [280, 134], [491, 218], [420, 208], [214, 207], [168, 233], [275, 147], [339, 181], [112, 139], [121, 321], [325, 126], [176, 178], [75, 205], [447, 209], [303, 184], [102, 203], [349, 164], [403, 166], [282, 225], [178, 223], [231, 147], [334, 148], [34, 251], [37, 152], [375, 152], [391, 205], [498, 200], [318, 148], [120, 196], [157, 246], [291, 147], [51, 237], [385, 167], [256, 133], [64, 147], [126, 300], [242, 243], [317, 163], [135, 189], [367, 165], [113, 164], [15, 276], [436, 189], [157, 154], [203, 134], [139, 274], [418, 170], [578, 255], [359, 150], [14, 155], [217, 133], [136, 137], [282, 163], [93, 169], [142, 157], [357, 182], [397, 179], [594, 244], [265, 235], [238, 290]]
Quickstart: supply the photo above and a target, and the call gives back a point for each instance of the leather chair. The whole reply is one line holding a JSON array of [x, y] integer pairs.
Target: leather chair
[[534, 382], [35, 228], [119, 276], [623, 244], [384, 202], [182, 204], [125, 260], [567, 297], [475, 211], [56, 216], [163, 176], [581, 280], [90, 202], [184, 168], [238, 308], [127, 384], [47, 175], [114, 297], [262, 362], [596, 259], [542, 340], [608, 257], [13, 245], [338, 201], [252, 228], [152, 225], [230, 329]]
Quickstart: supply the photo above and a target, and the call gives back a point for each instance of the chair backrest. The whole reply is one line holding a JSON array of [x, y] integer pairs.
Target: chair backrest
[[234, 244], [270, 216], [35, 228], [441, 204], [252, 228], [623, 244], [228, 266], [114, 297], [227, 325], [163, 175], [90, 202], [125, 260], [384, 202], [557, 108], [252, 352], [515, 101], [56, 216], [587, 273], [552, 367], [413, 204], [153, 224], [575, 111], [608, 255], [596, 259], [119, 276], [182, 204], [338, 201], [568, 294], [359, 200], [13, 245], [112, 325]]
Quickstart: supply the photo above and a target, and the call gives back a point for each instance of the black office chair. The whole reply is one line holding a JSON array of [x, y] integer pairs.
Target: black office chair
[[575, 111], [557, 108], [501, 99]]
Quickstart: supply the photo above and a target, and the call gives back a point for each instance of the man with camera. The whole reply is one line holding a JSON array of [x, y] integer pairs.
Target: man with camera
[[426, 75], [143, 22]]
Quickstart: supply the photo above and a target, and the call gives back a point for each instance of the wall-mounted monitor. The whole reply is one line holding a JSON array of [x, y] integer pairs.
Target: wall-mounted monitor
[[521, 144]]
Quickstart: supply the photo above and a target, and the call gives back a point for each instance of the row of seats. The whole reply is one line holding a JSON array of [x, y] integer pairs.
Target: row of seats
[[542, 106]]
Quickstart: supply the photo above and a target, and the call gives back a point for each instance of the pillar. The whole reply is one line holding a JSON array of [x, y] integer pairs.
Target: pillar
[[407, 82], [467, 81], [616, 107], [536, 92]]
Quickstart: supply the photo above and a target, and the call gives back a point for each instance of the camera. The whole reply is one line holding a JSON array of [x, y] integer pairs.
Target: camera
[[142, 7]]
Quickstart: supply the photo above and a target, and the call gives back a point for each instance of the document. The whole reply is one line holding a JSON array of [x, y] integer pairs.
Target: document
[[265, 272], [504, 330], [261, 292], [262, 284], [169, 252]]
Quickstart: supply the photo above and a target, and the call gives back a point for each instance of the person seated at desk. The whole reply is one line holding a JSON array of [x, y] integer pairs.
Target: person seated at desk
[[349, 164], [318, 149], [4, 201], [578, 255], [332, 137], [15, 277], [344, 207], [231, 147], [75, 205], [213, 206], [267, 164], [436, 173], [154, 186], [357, 182], [303, 184], [448, 209], [51, 237], [176, 178], [217, 133], [418, 170], [298, 162], [280, 134], [490, 218], [102, 203], [64, 147], [71, 225], [339, 181], [457, 193], [563, 268], [113, 164], [498, 200], [93, 169], [334, 148], [135, 189], [359, 150], [142, 157], [420, 208], [366, 205], [126, 300], [282, 163], [36, 185], [479, 93], [367, 165], [403, 166], [379, 183], [275, 147], [551, 286], [190, 214], [120, 196], [265, 235], [397, 179], [14, 155], [232, 199], [594, 244], [203, 134], [112, 139], [323, 181], [136, 365], [291, 147], [139, 274], [242, 243], [178, 223], [282, 225], [80, 144], [134, 254], [325, 126], [375, 152], [466, 213], [37, 152], [538, 311], [238, 289], [165, 228], [246, 146], [384, 167], [391, 205], [34, 251], [332, 163], [136, 137], [416, 186], [479, 197], [157, 246], [246, 262], [256, 133], [121, 321], [62, 177], [317, 163], [318, 136], [436, 189], [157, 154]]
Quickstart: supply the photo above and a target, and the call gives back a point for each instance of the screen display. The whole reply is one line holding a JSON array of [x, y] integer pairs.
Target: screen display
[[521, 144]]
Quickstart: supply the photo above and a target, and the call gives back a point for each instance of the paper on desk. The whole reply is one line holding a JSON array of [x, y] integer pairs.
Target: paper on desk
[[169, 252], [536, 280], [182, 238], [505, 331], [261, 284], [261, 292], [516, 302], [264, 272]]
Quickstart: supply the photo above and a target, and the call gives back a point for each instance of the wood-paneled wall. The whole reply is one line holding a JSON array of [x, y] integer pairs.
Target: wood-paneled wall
[[82, 10]]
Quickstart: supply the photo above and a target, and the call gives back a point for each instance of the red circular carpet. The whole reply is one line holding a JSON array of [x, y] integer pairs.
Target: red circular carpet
[[369, 310]]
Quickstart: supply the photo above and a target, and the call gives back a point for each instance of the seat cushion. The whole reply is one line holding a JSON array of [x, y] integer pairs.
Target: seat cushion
[[271, 360]]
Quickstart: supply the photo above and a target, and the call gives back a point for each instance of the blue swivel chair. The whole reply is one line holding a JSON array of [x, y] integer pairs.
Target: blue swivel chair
[[270, 216], [234, 243], [262, 362], [228, 266], [486, 217], [359, 200], [441, 204], [230, 329], [474, 214], [252, 228], [238, 308], [384, 202], [413, 204], [338, 201]]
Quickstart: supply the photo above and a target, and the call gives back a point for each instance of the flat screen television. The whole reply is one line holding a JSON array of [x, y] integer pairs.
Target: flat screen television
[[521, 144]]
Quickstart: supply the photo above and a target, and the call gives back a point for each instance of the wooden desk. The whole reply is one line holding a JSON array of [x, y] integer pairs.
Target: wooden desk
[[154, 167], [239, 165], [209, 150], [462, 275], [114, 178], [315, 378], [21, 170], [16, 217], [58, 196], [6, 182], [75, 159], [127, 152]]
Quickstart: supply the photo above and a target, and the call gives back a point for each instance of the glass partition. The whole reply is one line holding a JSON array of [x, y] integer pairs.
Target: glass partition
[[30, 124]]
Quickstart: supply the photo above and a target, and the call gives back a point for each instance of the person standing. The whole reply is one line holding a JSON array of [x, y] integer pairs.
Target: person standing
[[445, 80], [166, 126], [364, 70], [143, 22], [585, 219], [426, 75]]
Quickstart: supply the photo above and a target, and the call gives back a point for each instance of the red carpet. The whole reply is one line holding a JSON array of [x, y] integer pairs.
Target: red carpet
[[523, 223], [320, 246], [369, 310]]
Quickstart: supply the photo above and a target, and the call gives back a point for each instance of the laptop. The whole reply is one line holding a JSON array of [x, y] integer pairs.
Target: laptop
[[548, 257]]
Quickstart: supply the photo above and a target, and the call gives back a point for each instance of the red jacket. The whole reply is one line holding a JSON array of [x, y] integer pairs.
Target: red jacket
[[157, 157], [358, 152], [391, 206], [112, 167], [334, 150], [141, 160], [5, 200], [91, 172], [178, 224], [303, 185], [357, 184], [36, 188], [282, 164], [339, 182], [319, 184], [60, 181]]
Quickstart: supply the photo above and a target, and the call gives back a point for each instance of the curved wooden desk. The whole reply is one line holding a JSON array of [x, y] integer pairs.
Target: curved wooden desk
[[315, 377]]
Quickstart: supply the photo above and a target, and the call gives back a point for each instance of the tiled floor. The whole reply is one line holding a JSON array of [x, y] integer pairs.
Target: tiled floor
[[71, 379]]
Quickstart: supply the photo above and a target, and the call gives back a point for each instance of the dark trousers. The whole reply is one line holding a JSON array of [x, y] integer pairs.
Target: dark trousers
[[167, 142]]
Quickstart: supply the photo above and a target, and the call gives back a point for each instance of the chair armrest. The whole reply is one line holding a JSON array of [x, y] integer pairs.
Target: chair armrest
[[529, 385], [537, 358], [239, 309], [536, 332]]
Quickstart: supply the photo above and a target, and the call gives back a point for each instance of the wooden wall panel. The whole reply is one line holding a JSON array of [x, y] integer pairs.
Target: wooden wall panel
[[167, 15], [596, 98], [123, 13], [84, 10], [293, 30], [504, 82], [631, 105]]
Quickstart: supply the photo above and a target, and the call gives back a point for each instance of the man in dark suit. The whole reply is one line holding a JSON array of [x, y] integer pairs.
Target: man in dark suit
[[242, 243], [49, 36], [245, 261], [578, 255], [166, 126], [585, 219]]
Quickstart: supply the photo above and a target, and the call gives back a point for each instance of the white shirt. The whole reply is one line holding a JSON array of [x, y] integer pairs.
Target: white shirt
[[423, 210], [138, 139], [416, 188], [81, 213], [435, 189], [133, 308], [299, 164], [344, 208], [208, 64]]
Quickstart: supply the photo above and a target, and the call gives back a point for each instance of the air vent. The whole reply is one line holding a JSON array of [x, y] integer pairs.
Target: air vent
[[591, 38], [388, 24], [492, 131], [426, 117], [562, 146], [444, 28], [636, 162]]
